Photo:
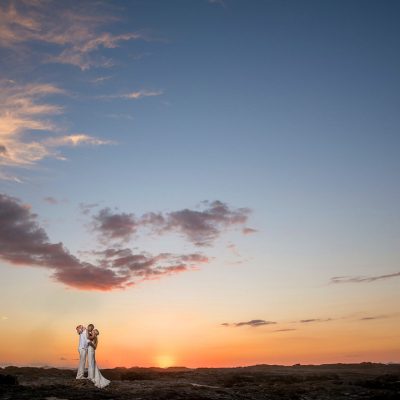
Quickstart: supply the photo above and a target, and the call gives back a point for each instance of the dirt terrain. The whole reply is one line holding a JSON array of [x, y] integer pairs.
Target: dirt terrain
[[327, 381]]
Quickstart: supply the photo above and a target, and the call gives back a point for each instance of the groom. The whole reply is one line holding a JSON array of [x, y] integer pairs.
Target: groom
[[83, 350]]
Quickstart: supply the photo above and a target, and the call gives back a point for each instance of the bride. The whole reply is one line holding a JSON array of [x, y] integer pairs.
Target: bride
[[94, 373]]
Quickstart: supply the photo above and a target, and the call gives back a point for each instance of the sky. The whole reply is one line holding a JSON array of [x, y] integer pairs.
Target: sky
[[211, 183]]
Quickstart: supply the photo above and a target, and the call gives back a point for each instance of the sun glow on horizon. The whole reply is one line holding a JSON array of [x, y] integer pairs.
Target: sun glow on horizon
[[165, 361]]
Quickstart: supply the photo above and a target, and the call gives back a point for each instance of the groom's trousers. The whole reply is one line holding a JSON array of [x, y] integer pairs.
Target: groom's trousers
[[82, 364]]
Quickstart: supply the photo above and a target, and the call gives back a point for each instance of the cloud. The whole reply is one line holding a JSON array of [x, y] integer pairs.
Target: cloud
[[373, 317], [24, 242], [23, 110], [285, 330], [133, 95], [51, 200], [362, 279], [114, 225], [142, 93], [76, 140], [253, 323], [86, 208], [100, 79], [9, 177], [75, 30], [145, 266], [248, 231], [233, 248], [306, 321], [199, 227]]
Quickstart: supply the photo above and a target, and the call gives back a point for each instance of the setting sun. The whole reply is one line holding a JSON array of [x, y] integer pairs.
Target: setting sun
[[165, 361]]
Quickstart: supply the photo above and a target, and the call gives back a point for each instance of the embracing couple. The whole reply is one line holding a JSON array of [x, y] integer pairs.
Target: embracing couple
[[88, 340]]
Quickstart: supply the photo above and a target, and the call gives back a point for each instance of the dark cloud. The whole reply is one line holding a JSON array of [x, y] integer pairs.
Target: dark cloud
[[24, 242], [361, 279], [285, 330], [111, 225], [306, 321], [372, 317], [200, 227], [146, 266], [253, 323], [50, 200], [3, 149]]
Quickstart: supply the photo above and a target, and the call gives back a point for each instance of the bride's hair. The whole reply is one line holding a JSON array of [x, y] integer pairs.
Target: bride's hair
[[96, 331]]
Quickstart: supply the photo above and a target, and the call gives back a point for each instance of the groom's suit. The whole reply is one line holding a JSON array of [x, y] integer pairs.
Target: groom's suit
[[82, 349]]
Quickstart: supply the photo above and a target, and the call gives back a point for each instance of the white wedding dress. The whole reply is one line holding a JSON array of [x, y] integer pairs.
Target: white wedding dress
[[94, 373]]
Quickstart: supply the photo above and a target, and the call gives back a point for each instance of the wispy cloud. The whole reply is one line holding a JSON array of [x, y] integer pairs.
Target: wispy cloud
[[100, 79], [307, 321], [143, 93], [373, 317], [23, 110], [285, 330], [24, 242], [135, 95], [363, 279], [253, 323], [77, 30], [86, 208]]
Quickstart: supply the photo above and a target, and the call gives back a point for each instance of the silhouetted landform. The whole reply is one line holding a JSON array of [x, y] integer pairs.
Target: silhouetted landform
[[303, 382]]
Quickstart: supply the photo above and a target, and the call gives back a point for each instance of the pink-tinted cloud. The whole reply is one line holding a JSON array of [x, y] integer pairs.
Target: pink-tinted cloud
[[248, 231], [76, 30], [24, 242], [23, 109], [147, 266]]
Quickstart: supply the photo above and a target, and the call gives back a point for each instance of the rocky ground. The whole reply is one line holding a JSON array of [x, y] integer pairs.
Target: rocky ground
[[302, 382]]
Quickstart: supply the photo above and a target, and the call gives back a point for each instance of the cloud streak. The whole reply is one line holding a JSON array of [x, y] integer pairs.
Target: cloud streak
[[363, 279], [24, 242], [373, 317], [253, 323]]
